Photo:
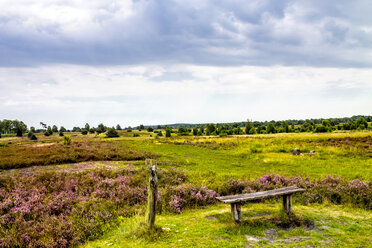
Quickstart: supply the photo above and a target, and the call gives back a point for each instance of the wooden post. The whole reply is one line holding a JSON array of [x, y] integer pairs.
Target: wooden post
[[235, 211], [287, 203], [152, 193]]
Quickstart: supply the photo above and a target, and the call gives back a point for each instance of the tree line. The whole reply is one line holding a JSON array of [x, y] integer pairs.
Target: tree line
[[18, 128]]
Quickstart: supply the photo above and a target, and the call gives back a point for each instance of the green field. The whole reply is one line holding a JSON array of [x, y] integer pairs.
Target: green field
[[213, 162]]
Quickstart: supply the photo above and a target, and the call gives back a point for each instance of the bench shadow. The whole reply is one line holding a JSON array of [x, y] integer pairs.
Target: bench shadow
[[265, 218]]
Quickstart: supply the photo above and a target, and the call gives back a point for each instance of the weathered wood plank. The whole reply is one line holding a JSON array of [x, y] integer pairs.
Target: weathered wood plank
[[259, 195]]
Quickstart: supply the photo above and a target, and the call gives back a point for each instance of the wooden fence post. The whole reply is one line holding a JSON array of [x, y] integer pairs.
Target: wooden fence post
[[152, 189]]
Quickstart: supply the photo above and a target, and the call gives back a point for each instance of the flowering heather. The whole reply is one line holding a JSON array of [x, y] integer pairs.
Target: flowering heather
[[62, 208], [332, 189]]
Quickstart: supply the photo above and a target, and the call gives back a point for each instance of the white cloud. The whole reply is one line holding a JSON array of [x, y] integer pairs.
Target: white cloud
[[130, 95]]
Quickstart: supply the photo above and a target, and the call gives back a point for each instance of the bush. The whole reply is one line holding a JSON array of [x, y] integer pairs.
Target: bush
[[32, 137], [112, 133], [160, 134], [84, 132], [168, 132], [135, 135], [61, 133], [66, 140]]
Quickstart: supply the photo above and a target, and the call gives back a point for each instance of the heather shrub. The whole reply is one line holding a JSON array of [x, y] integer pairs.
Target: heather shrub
[[66, 140], [177, 198], [332, 189], [111, 133]]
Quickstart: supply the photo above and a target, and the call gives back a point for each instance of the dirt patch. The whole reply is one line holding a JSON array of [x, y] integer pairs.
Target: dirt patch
[[42, 145], [293, 222], [211, 217]]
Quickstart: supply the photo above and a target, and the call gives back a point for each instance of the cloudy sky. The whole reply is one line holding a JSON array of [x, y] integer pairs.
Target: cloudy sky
[[68, 62]]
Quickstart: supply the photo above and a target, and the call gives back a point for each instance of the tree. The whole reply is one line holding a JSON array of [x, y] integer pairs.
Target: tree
[[361, 123], [270, 128], [101, 128], [62, 129], [55, 129], [210, 129], [118, 127], [168, 132], [19, 128], [150, 129], [248, 127], [111, 133], [87, 127], [182, 130], [43, 125], [285, 126], [76, 129], [194, 131], [140, 127], [84, 131], [31, 136], [202, 129], [32, 129]]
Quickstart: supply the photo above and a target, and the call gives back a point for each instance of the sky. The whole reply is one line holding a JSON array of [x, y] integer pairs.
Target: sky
[[131, 62]]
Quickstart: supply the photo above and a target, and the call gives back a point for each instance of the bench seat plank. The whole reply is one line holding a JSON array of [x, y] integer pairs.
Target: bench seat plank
[[259, 195]]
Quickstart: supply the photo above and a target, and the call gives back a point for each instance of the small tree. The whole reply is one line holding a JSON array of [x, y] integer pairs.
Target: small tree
[[62, 129], [195, 131], [270, 128], [168, 132], [118, 127], [87, 127], [150, 129], [112, 133], [55, 129], [31, 136], [248, 127], [66, 140], [84, 131]]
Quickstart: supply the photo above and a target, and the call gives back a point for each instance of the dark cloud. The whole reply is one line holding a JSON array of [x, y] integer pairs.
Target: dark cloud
[[312, 33]]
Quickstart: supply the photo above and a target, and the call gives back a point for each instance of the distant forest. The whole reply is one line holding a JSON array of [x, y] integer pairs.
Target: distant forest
[[356, 122]]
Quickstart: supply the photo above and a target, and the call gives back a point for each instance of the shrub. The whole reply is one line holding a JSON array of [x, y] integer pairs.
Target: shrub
[[135, 135], [32, 136], [84, 132], [61, 133], [160, 134], [168, 132], [111, 133], [66, 140]]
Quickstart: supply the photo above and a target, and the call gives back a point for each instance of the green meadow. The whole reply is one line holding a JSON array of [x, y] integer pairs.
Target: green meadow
[[213, 162]]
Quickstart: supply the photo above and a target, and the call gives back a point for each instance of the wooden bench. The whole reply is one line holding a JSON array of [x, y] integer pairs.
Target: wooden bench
[[237, 200]]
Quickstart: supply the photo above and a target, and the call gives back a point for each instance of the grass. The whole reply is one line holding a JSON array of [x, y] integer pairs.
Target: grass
[[330, 225], [341, 154]]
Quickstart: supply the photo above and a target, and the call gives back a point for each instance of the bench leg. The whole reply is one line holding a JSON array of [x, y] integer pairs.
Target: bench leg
[[287, 203], [235, 211]]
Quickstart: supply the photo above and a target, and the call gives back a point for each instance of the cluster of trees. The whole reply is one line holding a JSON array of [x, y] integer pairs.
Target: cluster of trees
[[18, 128], [12, 127], [273, 127], [291, 123]]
